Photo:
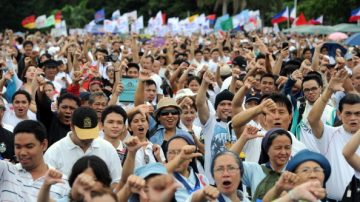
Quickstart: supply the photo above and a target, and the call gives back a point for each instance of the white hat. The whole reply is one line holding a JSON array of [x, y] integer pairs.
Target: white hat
[[185, 92]]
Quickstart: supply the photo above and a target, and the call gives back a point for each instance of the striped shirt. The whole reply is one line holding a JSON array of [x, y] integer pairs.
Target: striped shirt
[[16, 184]]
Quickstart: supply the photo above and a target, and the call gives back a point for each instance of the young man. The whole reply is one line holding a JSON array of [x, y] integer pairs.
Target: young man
[[57, 124], [6, 137], [267, 84], [22, 182], [147, 65], [215, 127], [113, 126], [83, 140], [20, 109], [331, 140]]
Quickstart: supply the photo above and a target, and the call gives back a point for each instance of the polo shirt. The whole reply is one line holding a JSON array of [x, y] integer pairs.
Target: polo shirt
[[16, 184], [63, 154]]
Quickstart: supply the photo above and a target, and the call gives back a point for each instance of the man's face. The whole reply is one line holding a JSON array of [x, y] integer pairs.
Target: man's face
[[133, 72], [198, 56], [350, 117], [65, 110], [28, 150], [28, 49], [223, 110], [156, 66], [307, 55], [147, 64], [267, 85], [99, 105], [215, 56], [206, 55], [150, 92], [114, 125], [355, 78], [260, 65], [50, 72], [311, 90], [278, 118], [21, 105]]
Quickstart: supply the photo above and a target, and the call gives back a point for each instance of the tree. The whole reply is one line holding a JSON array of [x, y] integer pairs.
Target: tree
[[78, 15]]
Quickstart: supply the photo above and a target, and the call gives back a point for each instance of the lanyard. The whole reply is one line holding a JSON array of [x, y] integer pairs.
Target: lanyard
[[221, 198], [186, 185]]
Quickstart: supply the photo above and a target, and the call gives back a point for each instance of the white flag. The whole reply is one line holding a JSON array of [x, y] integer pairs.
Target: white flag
[[40, 21], [109, 26], [115, 15]]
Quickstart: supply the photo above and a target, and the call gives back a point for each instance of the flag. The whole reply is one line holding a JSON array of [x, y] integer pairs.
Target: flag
[[281, 16], [29, 22], [50, 21], [132, 16], [316, 21], [211, 18], [163, 17], [355, 15], [40, 21], [293, 14], [115, 15], [99, 15], [219, 20], [138, 25], [58, 17], [109, 26], [193, 17], [301, 20], [227, 24]]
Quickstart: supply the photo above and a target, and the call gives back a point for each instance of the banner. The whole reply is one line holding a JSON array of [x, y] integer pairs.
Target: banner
[[40, 21]]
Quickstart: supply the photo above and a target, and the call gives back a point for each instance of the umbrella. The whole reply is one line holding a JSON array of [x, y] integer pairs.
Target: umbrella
[[337, 36], [353, 40], [332, 46]]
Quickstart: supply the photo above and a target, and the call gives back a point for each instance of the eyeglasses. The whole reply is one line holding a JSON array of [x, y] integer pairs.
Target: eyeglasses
[[348, 114], [313, 89], [167, 112], [229, 169], [309, 170]]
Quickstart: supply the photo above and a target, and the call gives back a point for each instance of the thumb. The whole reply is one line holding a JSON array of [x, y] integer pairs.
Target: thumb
[[143, 195]]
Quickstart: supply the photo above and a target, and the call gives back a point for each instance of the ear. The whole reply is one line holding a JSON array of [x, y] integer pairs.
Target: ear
[[44, 145], [338, 114]]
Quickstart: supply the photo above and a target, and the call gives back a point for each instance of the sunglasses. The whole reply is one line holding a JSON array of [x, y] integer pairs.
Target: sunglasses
[[167, 112]]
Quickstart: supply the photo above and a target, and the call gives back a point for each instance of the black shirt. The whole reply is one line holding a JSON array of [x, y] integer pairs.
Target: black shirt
[[6, 144]]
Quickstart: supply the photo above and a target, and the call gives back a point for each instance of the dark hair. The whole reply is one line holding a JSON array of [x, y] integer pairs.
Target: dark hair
[[93, 97], [151, 58], [268, 75], [192, 77], [98, 166], [312, 77], [198, 51], [21, 92], [264, 157], [23, 78], [214, 50], [33, 127], [132, 65], [350, 99], [50, 83], [131, 118], [305, 50], [279, 99], [28, 43], [230, 153], [113, 109], [259, 56], [149, 82], [68, 96]]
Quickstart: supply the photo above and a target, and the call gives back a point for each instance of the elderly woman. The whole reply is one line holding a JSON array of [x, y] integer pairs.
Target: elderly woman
[[167, 116], [227, 170], [305, 166]]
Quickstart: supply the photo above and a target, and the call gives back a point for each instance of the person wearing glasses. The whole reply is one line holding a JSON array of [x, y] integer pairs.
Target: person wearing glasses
[[305, 166], [165, 123], [227, 170]]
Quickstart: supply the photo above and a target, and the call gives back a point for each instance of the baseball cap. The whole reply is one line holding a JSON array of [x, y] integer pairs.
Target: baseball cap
[[85, 122], [252, 96], [240, 61], [151, 169]]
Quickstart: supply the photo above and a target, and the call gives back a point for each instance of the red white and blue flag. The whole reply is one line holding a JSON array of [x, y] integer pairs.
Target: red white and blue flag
[[100, 15], [355, 15], [281, 16], [317, 21]]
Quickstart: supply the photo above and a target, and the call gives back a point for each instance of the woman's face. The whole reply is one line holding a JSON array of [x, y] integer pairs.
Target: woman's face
[[188, 115], [110, 72], [174, 149], [279, 151], [49, 90], [169, 117], [226, 174], [98, 184], [30, 73], [194, 86], [310, 170], [139, 125]]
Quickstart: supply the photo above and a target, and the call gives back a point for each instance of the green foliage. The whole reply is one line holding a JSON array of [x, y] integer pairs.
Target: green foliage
[[79, 12]]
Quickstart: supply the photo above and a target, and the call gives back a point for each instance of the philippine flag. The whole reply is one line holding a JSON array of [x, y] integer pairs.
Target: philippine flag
[[355, 15], [281, 16]]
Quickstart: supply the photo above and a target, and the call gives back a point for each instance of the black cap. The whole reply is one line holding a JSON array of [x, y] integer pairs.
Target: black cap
[[85, 122], [240, 61], [223, 95], [252, 96], [50, 63]]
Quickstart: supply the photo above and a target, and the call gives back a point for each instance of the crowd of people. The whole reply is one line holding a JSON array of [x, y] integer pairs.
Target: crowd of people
[[224, 117]]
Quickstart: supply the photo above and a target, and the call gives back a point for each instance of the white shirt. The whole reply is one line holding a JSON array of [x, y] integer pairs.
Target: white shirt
[[182, 193], [226, 83], [140, 159], [158, 82], [331, 145], [64, 153], [11, 119], [16, 184]]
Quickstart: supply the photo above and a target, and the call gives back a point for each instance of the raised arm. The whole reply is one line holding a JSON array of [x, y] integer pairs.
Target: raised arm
[[279, 61], [201, 104], [349, 151], [249, 133], [188, 152], [51, 177], [317, 110], [316, 57]]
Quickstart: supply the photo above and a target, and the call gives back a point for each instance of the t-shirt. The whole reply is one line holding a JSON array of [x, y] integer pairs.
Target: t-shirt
[[6, 144], [11, 119], [158, 82], [331, 145], [145, 156]]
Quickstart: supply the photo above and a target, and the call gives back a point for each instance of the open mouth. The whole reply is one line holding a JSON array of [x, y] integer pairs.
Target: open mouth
[[141, 129], [226, 183], [277, 124]]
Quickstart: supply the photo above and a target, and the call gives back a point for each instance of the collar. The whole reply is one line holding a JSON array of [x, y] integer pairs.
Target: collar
[[71, 145]]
